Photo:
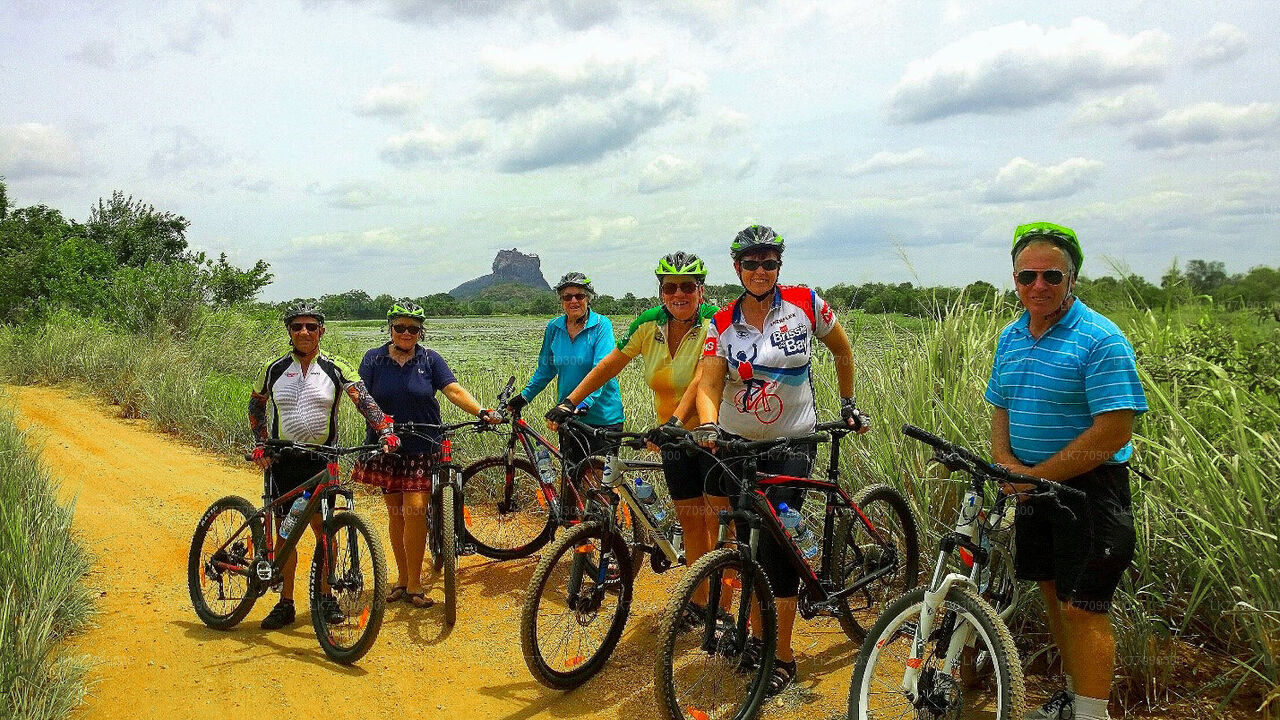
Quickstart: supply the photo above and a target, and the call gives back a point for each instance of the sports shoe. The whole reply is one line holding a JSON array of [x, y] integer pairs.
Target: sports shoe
[[1060, 707], [333, 614], [282, 615]]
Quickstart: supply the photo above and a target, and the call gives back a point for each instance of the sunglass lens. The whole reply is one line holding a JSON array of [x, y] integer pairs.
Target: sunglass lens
[[298, 327], [1028, 277], [407, 329], [1053, 277], [769, 265]]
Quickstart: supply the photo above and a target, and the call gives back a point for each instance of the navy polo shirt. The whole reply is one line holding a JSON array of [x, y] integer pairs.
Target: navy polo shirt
[[406, 392]]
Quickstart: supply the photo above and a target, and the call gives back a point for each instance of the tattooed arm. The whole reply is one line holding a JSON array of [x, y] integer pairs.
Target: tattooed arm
[[368, 407]]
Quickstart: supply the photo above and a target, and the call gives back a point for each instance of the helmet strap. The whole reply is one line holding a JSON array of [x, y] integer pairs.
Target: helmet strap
[[762, 296]]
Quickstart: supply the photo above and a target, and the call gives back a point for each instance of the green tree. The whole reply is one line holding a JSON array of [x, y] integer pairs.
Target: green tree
[[135, 232], [1205, 276], [225, 284]]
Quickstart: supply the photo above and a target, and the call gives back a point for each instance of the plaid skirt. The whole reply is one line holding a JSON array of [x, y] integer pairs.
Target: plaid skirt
[[394, 473]]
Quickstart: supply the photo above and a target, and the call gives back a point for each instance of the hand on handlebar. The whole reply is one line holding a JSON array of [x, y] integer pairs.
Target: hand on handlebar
[[390, 442], [493, 417], [259, 456], [706, 435], [662, 434], [516, 403], [856, 419]]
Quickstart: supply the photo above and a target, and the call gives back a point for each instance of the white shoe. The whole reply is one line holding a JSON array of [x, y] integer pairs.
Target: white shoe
[[1060, 707]]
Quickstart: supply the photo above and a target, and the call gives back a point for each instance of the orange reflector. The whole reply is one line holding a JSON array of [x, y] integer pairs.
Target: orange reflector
[[626, 515], [697, 714], [466, 515], [575, 661], [584, 549], [966, 556], [915, 663], [203, 579], [364, 618], [542, 498], [732, 582]]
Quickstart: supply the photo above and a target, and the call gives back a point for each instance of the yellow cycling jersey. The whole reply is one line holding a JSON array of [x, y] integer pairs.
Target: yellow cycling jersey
[[666, 374]]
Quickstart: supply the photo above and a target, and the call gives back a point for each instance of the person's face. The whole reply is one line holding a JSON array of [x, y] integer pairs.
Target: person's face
[[574, 300], [681, 294], [305, 332], [405, 333], [760, 279], [1040, 297]]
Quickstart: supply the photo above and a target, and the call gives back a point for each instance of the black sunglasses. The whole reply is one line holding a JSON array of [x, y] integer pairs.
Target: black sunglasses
[[1028, 277], [573, 296], [769, 265], [407, 329], [688, 287], [298, 327]]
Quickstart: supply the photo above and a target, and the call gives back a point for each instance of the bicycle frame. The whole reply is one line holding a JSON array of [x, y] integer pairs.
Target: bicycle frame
[[612, 476]]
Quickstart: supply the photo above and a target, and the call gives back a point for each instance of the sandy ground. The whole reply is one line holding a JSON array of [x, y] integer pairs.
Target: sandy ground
[[138, 495]]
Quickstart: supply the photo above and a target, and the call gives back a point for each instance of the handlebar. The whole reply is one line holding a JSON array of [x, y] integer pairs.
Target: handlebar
[[275, 447], [628, 439], [421, 429], [681, 436], [505, 393], [957, 457]]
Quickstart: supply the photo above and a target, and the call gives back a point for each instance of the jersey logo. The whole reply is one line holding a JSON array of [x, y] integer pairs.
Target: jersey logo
[[827, 315], [758, 398], [790, 342], [291, 374], [710, 347], [658, 336]]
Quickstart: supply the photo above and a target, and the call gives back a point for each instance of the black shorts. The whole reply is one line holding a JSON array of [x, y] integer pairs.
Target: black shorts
[[1085, 557], [576, 447], [797, 462], [687, 473], [287, 472]]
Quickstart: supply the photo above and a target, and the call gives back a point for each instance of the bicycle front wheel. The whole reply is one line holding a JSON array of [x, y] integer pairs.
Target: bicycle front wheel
[[892, 551], [703, 668], [449, 553], [876, 691], [576, 606], [220, 562], [347, 622], [504, 509]]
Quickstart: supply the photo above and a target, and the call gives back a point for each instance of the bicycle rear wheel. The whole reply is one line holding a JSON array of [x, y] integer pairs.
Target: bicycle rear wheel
[[576, 607], [875, 690], [222, 588], [359, 589], [700, 671], [894, 550], [449, 553], [504, 510]]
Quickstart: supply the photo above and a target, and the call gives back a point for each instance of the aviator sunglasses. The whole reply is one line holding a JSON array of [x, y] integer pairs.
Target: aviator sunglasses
[[769, 265], [567, 297], [299, 326], [407, 329], [687, 287], [1028, 277]]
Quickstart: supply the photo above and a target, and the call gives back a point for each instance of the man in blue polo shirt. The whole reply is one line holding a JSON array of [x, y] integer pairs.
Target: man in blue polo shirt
[[1065, 392]]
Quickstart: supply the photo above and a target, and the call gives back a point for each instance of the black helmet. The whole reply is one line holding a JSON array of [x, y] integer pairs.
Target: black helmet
[[578, 279], [756, 237], [303, 309]]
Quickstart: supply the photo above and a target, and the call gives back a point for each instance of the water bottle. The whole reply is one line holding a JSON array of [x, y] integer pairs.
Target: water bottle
[[796, 527], [646, 495], [295, 514], [677, 541], [545, 470]]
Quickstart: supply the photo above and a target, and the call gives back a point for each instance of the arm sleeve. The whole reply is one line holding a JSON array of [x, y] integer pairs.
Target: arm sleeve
[[602, 345], [546, 369], [1111, 378]]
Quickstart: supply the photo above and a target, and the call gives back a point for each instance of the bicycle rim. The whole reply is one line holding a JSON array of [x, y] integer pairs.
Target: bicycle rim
[[859, 553], [359, 577], [504, 518]]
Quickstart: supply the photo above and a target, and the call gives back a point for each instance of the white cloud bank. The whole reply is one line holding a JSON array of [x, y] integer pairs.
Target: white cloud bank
[[1210, 122], [32, 150], [886, 161], [1224, 43], [1022, 180]]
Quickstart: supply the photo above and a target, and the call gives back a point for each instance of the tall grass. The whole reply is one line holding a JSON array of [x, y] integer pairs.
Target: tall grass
[[41, 597]]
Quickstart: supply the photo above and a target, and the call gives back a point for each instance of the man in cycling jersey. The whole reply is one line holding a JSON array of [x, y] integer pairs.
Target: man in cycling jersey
[[1065, 391], [296, 398]]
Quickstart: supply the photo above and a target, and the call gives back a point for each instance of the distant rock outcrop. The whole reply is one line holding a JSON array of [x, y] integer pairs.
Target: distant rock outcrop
[[510, 266]]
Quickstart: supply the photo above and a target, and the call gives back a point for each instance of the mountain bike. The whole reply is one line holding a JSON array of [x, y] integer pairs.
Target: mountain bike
[[233, 559], [580, 594], [869, 553], [918, 659], [447, 514], [513, 509]]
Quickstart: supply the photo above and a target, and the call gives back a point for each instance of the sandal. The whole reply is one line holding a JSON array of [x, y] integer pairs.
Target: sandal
[[419, 600], [751, 655], [784, 673], [397, 593]]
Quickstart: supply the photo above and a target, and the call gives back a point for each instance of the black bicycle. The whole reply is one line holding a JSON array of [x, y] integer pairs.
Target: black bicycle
[[869, 553], [234, 561]]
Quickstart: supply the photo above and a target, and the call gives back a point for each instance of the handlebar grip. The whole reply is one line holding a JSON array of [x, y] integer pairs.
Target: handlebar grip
[[925, 437]]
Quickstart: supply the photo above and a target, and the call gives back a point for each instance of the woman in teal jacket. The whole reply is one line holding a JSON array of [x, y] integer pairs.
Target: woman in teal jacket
[[572, 344]]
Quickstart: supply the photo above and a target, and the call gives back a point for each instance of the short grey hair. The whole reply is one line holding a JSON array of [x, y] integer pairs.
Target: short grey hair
[[1042, 240]]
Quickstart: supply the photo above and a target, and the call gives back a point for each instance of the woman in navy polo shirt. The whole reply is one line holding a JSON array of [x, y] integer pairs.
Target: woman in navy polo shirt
[[403, 378]]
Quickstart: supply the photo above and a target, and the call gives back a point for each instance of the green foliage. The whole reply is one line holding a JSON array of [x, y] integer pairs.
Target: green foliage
[[135, 232]]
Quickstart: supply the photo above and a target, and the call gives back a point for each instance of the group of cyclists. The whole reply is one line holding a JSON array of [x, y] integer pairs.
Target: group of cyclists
[[744, 371]]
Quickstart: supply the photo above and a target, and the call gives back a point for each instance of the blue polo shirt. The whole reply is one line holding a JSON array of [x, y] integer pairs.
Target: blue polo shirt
[[569, 360], [406, 392], [1052, 386]]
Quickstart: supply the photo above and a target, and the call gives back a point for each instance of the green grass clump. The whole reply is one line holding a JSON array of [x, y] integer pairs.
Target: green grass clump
[[42, 599]]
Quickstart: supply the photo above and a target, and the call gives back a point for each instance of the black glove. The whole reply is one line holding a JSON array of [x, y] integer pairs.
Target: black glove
[[706, 432], [515, 403], [659, 435], [850, 413], [561, 412]]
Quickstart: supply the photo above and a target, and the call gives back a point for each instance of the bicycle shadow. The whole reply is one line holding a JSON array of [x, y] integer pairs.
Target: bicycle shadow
[[253, 641]]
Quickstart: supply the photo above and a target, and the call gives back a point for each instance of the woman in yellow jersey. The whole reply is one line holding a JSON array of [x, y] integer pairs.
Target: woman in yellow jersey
[[670, 338]]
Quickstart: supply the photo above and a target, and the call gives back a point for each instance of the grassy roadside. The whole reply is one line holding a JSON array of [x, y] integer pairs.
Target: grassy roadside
[[42, 599]]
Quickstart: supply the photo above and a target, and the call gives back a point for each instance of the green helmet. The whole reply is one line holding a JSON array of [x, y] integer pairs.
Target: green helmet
[[756, 237], [576, 278], [406, 308], [681, 263], [303, 309], [1060, 235]]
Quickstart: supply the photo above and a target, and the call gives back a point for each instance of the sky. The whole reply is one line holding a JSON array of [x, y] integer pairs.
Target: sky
[[395, 146]]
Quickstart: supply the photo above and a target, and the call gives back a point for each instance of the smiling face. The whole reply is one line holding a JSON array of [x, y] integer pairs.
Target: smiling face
[[305, 332], [760, 280], [405, 333], [574, 299], [1041, 298], [675, 291]]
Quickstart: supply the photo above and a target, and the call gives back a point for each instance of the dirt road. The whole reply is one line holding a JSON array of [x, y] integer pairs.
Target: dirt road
[[138, 495]]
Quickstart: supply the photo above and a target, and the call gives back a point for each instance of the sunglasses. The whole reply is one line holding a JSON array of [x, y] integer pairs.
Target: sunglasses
[[1028, 277], [407, 329], [687, 287], [769, 265], [299, 327], [568, 297]]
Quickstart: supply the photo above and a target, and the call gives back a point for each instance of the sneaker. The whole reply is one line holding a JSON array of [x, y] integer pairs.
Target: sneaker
[[282, 615], [1060, 707], [333, 614]]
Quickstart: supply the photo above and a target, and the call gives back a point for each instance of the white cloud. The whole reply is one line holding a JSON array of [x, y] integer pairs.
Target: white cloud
[[1136, 105], [182, 149], [1022, 180], [213, 18], [668, 172], [395, 99], [1224, 43], [356, 195], [431, 143], [1210, 122], [33, 149], [886, 161], [519, 80], [1021, 65]]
